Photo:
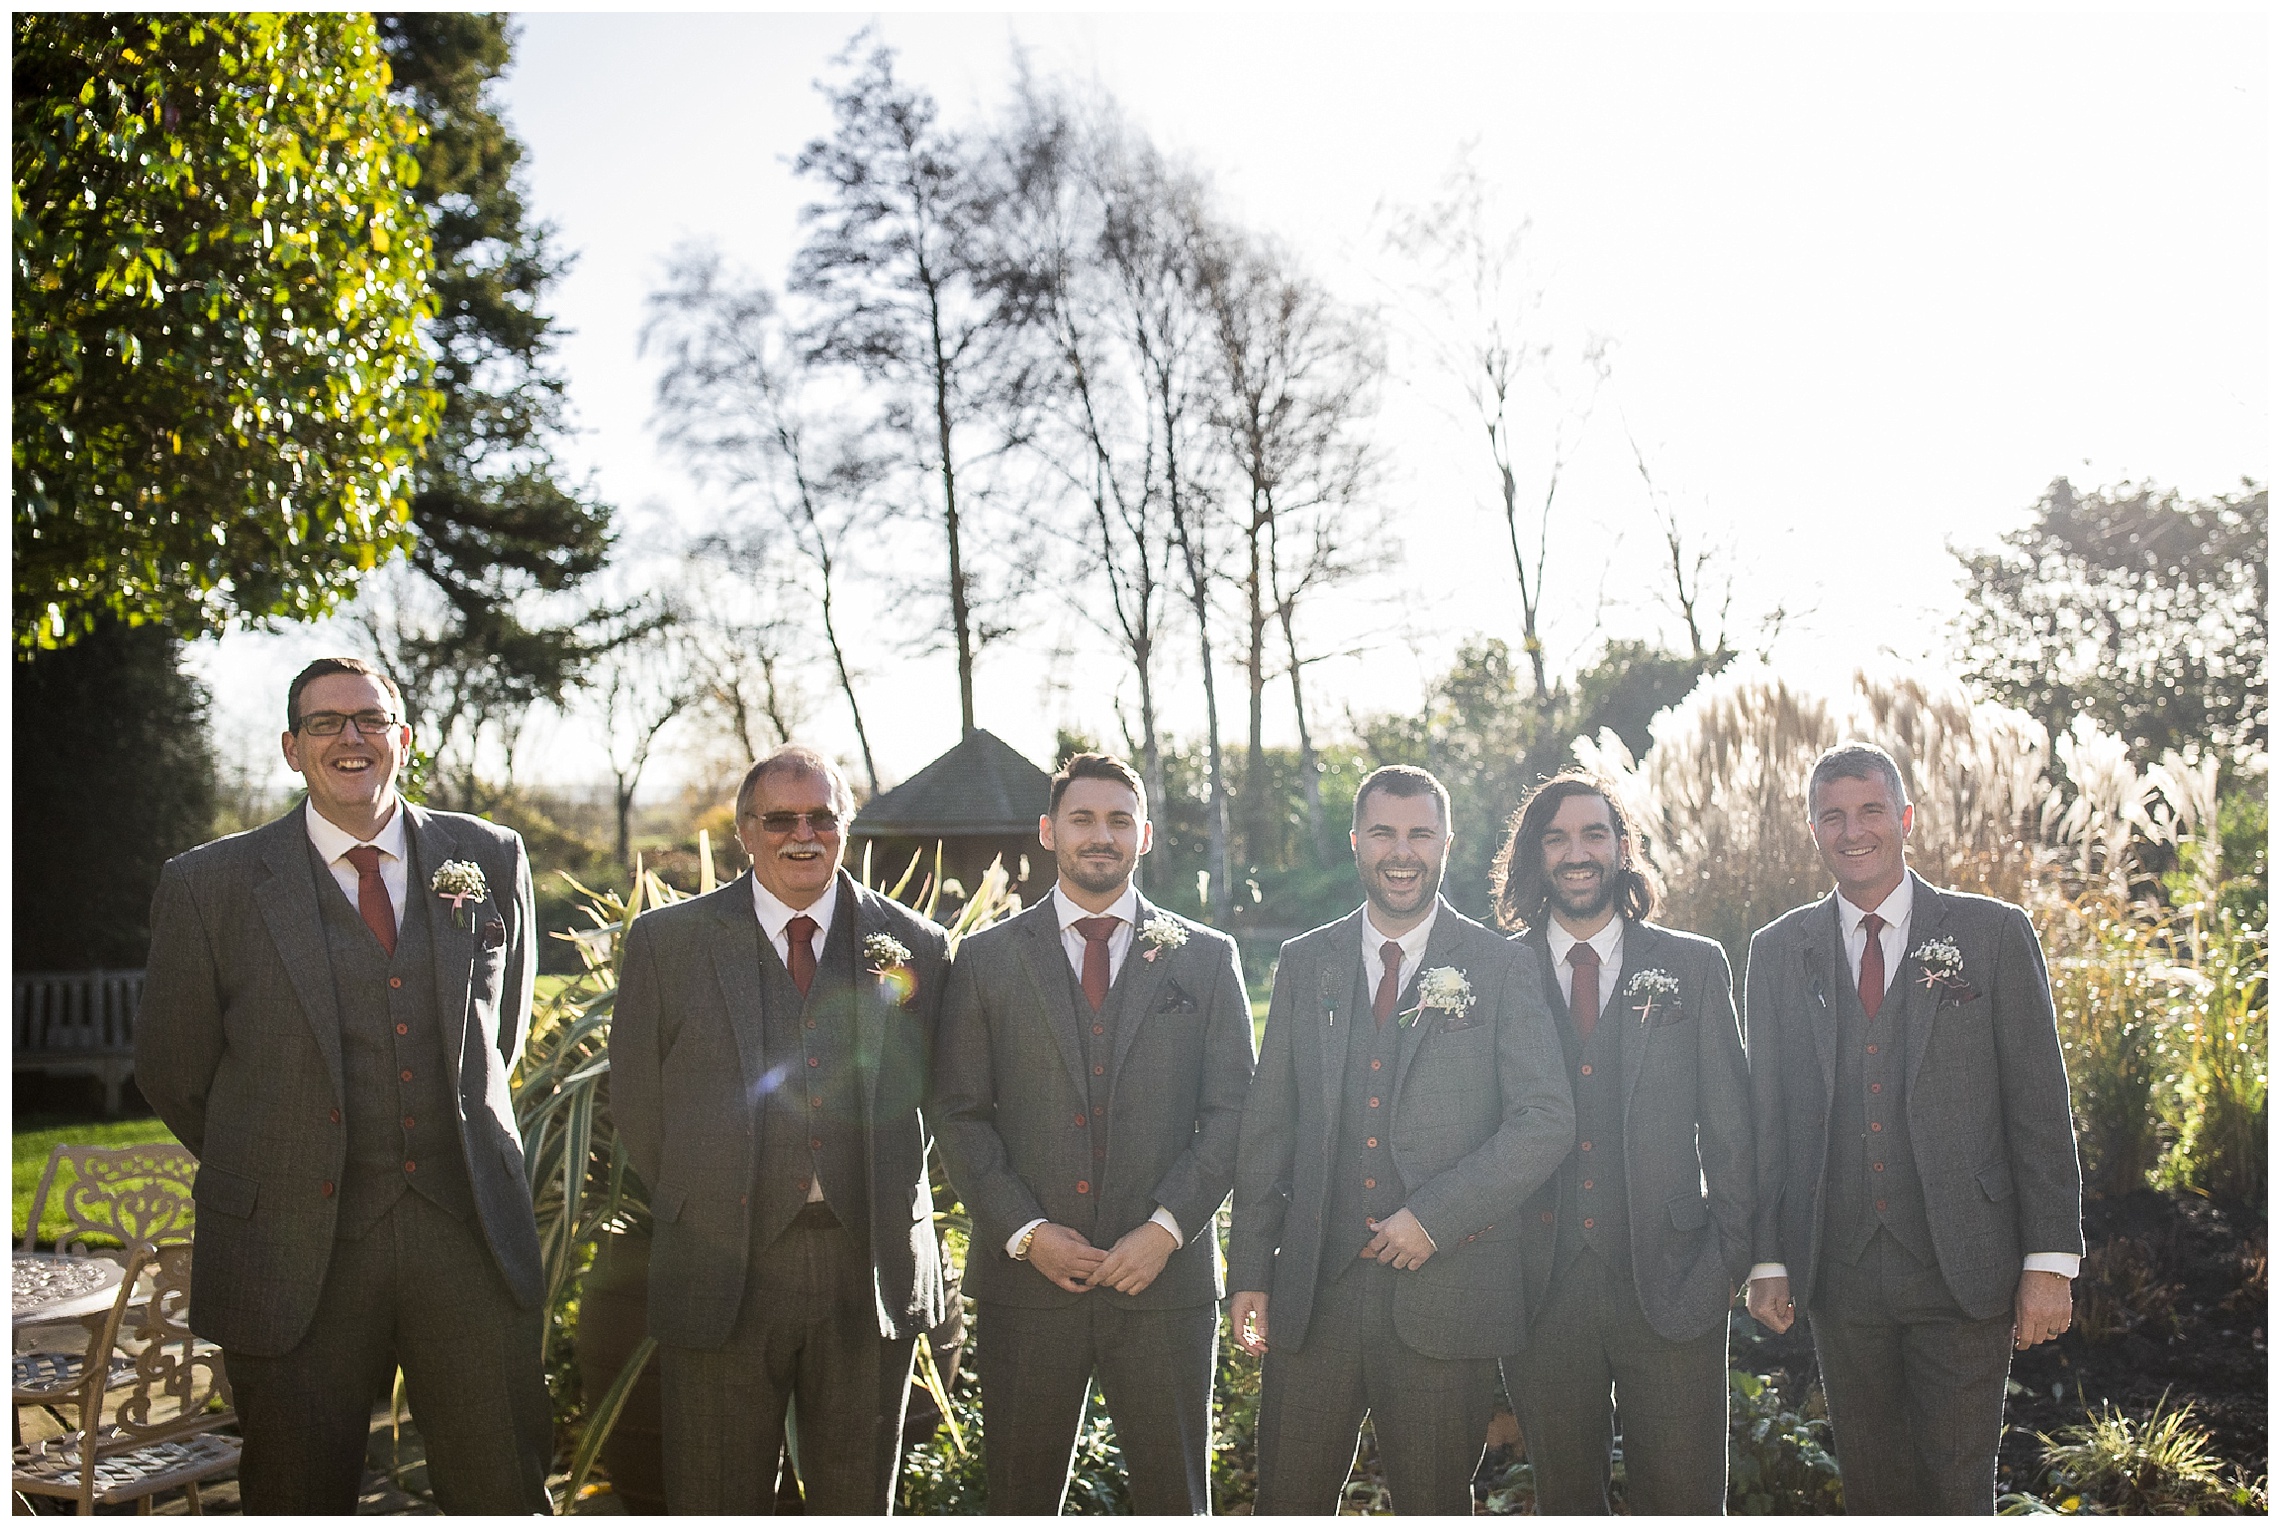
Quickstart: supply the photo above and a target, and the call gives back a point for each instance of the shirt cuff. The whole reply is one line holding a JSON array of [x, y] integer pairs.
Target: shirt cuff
[[1769, 1271], [2065, 1264], [1014, 1241], [1163, 1217]]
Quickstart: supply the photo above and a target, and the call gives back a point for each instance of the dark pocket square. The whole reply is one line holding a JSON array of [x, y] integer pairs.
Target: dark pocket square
[[1955, 994], [494, 934], [1469, 1019], [1175, 999]]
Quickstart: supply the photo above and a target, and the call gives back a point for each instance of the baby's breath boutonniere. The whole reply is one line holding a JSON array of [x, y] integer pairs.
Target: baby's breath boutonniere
[[1444, 988], [460, 882], [1940, 964], [889, 961], [1648, 986], [1161, 933]]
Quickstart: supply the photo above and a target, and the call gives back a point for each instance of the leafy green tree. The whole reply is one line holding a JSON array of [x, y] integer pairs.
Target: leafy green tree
[[219, 382], [496, 525], [2147, 612], [113, 776]]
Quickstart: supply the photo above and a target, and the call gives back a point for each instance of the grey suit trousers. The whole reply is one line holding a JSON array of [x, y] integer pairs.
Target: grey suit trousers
[[807, 1331], [1431, 1414], [1915, 1385], [1591, 1338], [419, 1291], [1036, 1368]]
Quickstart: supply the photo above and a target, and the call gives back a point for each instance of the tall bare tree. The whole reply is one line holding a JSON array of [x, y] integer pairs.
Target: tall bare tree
[[642, 683], [1482, 325], [886, 264], [734, 398], [1694, 566], [1297, 380]]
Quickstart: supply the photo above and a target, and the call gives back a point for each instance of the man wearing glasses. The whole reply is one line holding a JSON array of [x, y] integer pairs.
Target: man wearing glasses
[[769, 1057], [334, 1002]]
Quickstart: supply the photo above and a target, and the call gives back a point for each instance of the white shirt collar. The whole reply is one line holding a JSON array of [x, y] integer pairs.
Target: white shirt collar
[[1607, 942], [333, 840], [1412, 943], [774, 912], [1894, 909], [1066, 912]]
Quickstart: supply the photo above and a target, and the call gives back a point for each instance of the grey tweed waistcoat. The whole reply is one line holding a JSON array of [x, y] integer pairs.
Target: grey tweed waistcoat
[[811, 1118], [1872, 1162]]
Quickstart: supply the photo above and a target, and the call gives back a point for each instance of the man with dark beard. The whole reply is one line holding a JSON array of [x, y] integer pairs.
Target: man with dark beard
[[1630, 1265], [1409, 1099], [1088, 1092]]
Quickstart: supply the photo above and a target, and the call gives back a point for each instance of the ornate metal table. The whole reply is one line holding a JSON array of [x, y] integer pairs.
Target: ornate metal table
[[52, 1286]]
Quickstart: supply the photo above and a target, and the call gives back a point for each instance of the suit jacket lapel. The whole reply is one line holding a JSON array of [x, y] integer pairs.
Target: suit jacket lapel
[[288, 903], [1047, 967], [864, 915], [736, 965], [1926, 919], [1642, 948], [454, 946], [1141, 979], [1440, 950], [1335, 1014], [1823, 955]]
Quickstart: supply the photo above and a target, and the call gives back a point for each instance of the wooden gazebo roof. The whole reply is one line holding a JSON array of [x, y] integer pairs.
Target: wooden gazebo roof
[[980, 787]]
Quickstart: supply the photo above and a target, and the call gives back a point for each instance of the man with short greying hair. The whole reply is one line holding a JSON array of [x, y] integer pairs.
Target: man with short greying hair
[[1917, 1180], [1089, 1089], [334, 1004], [1409, 1098], [768, 1063], [1634, 1249]]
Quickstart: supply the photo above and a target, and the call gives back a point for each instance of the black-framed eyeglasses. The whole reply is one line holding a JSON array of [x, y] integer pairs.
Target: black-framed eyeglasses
[[329, 723], [822, 821]]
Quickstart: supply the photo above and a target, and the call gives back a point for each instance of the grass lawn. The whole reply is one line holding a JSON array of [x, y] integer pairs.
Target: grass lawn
[[33, 1145]]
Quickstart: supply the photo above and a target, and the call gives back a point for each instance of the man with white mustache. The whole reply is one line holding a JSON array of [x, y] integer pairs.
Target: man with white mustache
[[767, 1068], [1089, 1090], [1409, 1098]]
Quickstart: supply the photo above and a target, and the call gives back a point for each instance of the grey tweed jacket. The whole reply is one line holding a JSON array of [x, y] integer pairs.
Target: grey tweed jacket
[[1481, 1117], [1010, 1101], [238, 1048], [1988, 1117], [688, 1070], [1688, 1159]]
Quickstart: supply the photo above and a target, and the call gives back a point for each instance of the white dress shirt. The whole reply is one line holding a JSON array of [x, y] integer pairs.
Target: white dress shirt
[[1126, 910], [333, 843], [1608, 942], [1896, 910], [1412, 948], [775, 916]]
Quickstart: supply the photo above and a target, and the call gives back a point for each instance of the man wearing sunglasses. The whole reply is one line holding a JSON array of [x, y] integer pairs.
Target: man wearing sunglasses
[[334, 1002], [768, 1062]]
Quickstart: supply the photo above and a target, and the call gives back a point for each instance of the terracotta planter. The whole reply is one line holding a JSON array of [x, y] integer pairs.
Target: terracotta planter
[[613, 1317]]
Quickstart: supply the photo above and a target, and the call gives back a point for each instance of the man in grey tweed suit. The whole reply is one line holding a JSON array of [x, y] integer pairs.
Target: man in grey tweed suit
[[768, 1064], [1409, 1099], [1089, 1090], [1917, 1180], [331, 1035], [1635, 1247]]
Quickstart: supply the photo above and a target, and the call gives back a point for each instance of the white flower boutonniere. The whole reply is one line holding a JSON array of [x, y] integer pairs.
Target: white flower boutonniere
[[460, 882], [1445, 988], [1941, 966], [1649, 985], [1160, 933], [889, 960]]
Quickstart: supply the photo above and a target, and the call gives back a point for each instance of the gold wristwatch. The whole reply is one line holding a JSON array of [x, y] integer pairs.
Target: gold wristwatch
[[1021, 1247]]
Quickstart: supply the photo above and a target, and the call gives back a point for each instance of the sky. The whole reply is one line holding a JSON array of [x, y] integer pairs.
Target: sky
[[1867, 282]]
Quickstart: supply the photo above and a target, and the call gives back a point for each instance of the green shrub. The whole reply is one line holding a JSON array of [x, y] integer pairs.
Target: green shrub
[[1779, 1457], [2114, 1462], [2218, 1100], [2117, 992]]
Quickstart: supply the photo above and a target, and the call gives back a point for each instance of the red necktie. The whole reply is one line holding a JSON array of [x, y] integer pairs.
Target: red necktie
[[799, 935], [1872, 966], [1583, 989], [1094, 978], [372, 902], [1389, 985]]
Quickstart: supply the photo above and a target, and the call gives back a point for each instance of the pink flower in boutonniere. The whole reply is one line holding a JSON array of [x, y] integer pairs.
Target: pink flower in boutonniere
[[460, 882]]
